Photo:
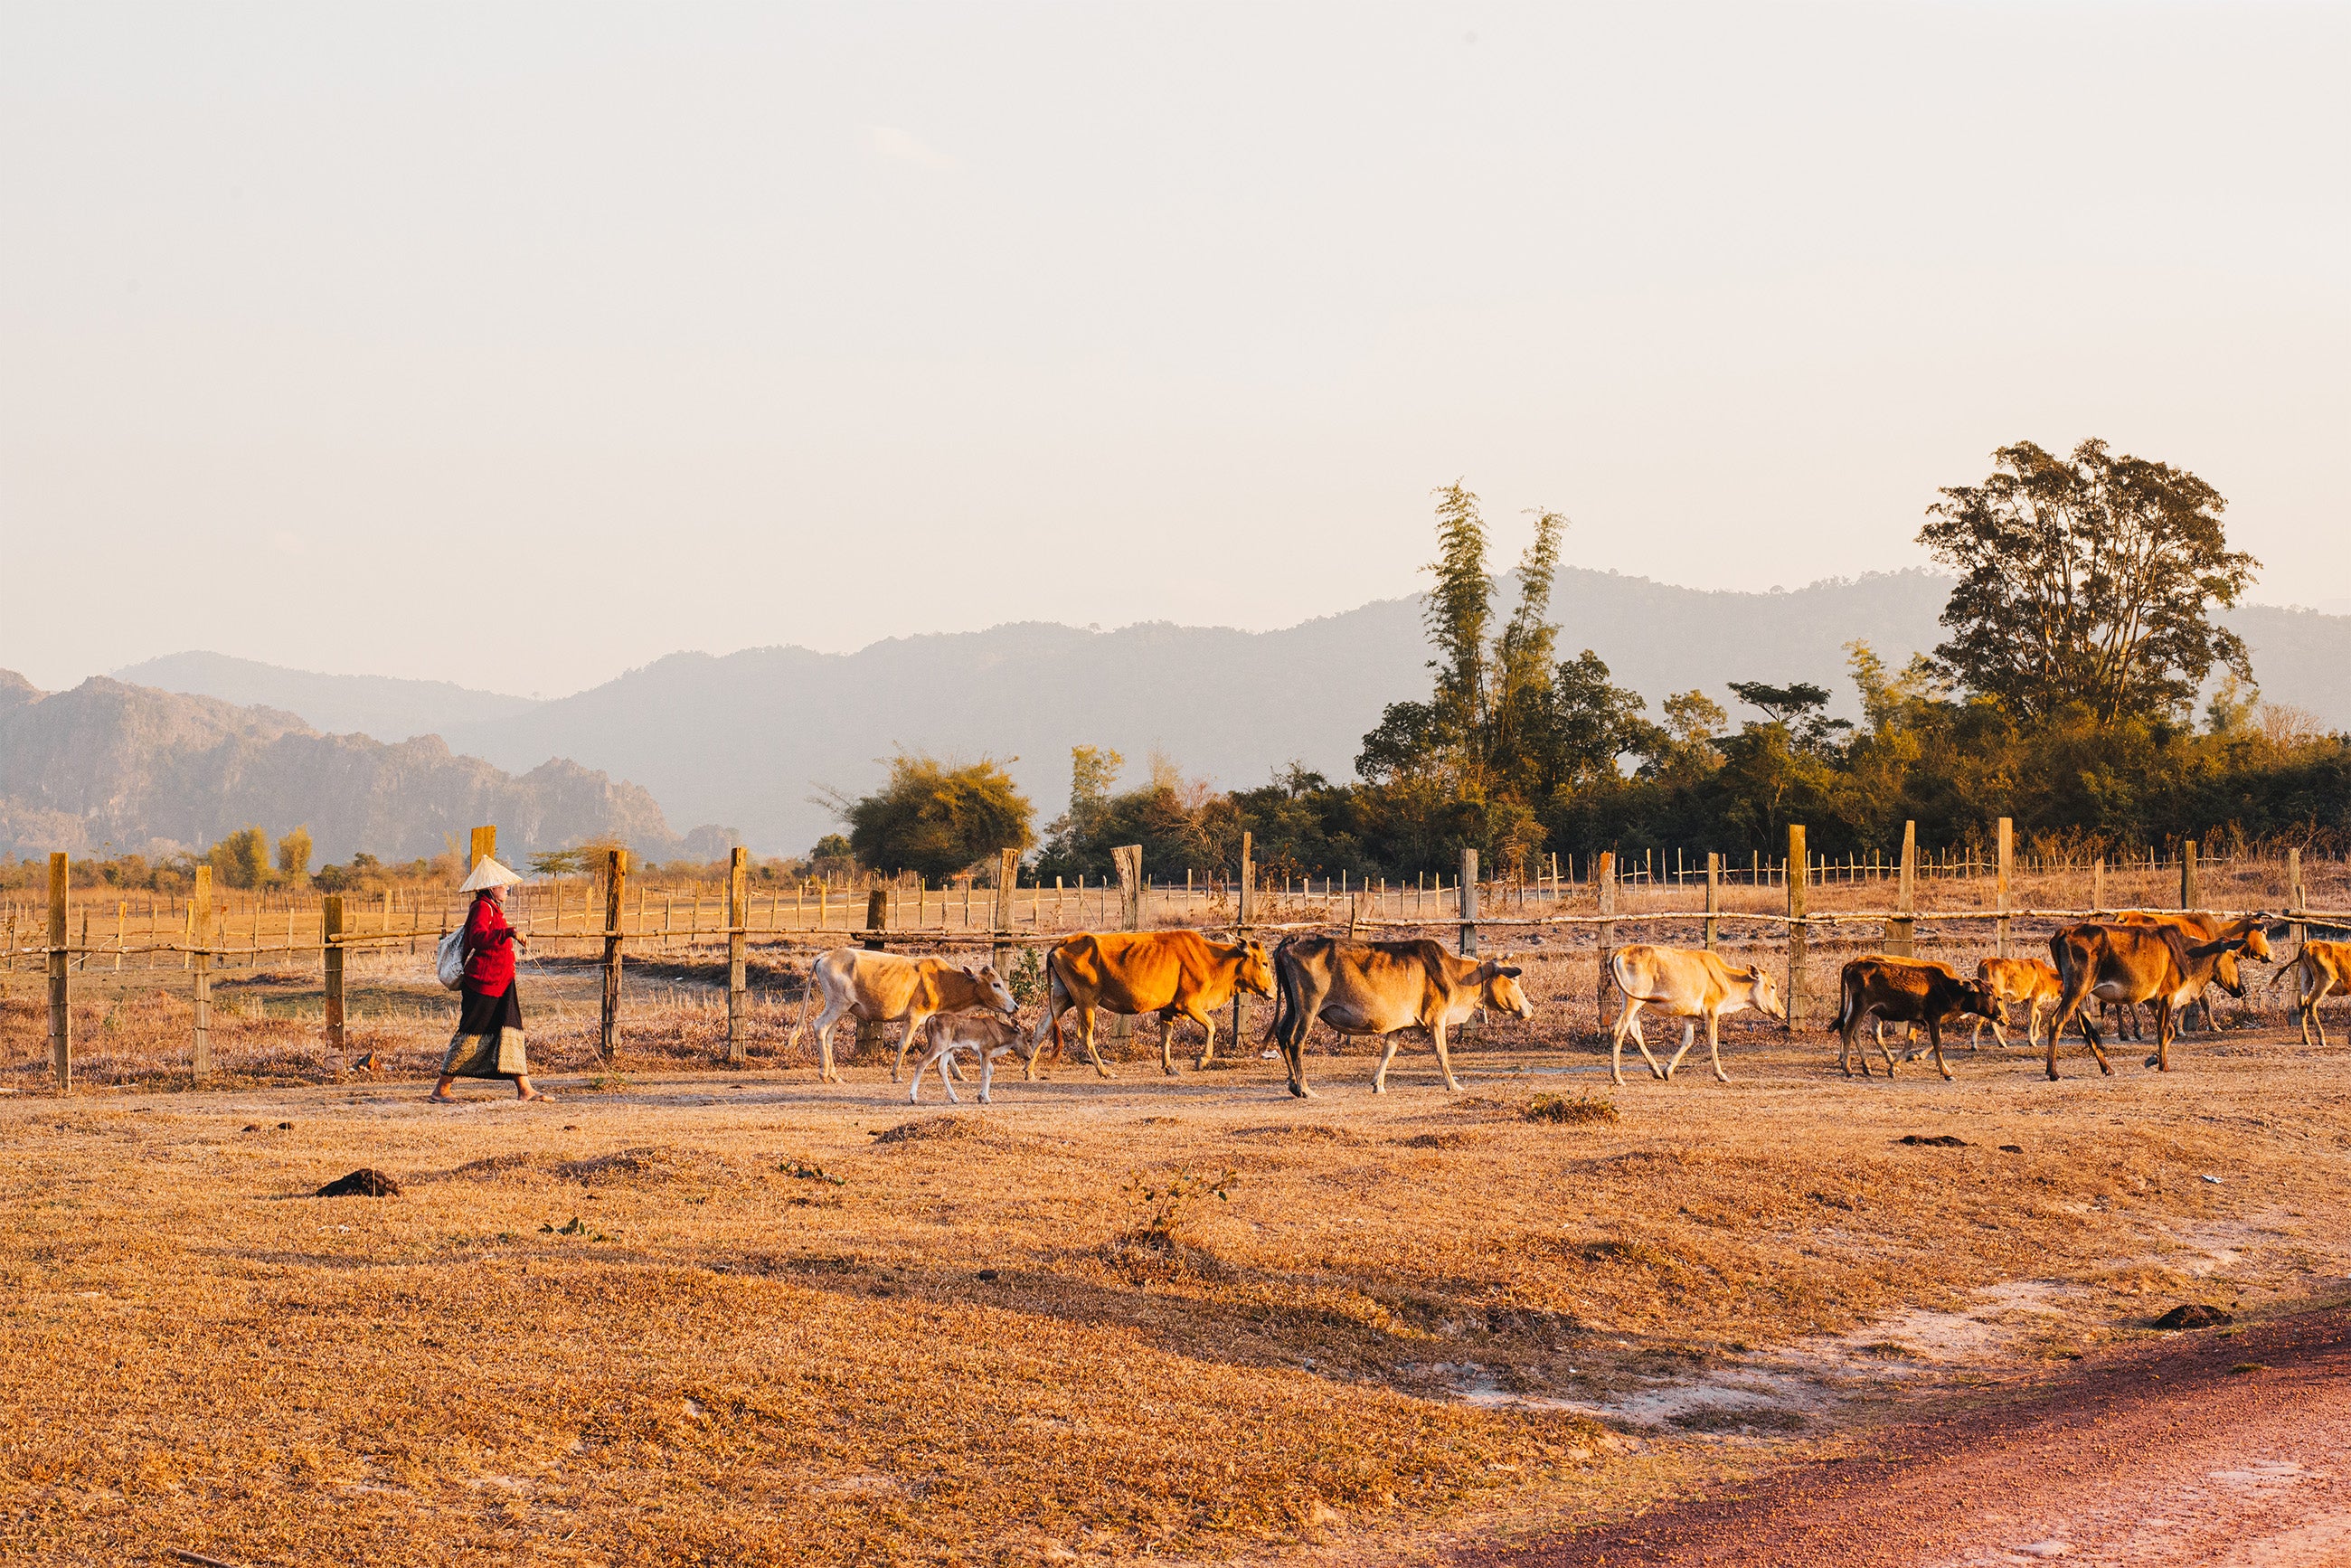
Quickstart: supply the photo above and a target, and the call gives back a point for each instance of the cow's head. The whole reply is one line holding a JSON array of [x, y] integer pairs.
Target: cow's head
[[2257, 940], [985, 976], [1763, 995], [2224, 967], [1255, 974], [1500, 982], [1980, 997]]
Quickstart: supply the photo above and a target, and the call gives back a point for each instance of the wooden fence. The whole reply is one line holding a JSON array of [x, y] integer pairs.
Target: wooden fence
[[340, 925]]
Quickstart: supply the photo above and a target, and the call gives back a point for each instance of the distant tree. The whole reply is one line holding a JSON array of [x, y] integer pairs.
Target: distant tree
[[294, 853], [1589, 725], [935, 821], [1796, 708], [242, 859], [832, 847], [2087, 581]]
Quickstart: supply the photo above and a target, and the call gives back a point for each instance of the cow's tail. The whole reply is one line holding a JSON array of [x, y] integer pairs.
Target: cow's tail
[[1848, 1001], [1285, 997], [808, 994]]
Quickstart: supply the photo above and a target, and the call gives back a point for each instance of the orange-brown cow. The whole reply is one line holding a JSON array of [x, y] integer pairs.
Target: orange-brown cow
[[2134, 964], [1175, 974], [2006, 980], [2325, 968]]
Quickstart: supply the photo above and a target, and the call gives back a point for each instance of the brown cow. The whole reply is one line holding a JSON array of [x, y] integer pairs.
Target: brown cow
[[2134, 964], [1686, 983], [2197, 926], [1382, 987], [1172, 973], [2006, 980], [2324, 967], [889, 987], [1901, 990]]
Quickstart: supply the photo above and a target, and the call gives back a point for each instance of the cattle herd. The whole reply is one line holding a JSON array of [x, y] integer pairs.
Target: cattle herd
[[2162, 960]]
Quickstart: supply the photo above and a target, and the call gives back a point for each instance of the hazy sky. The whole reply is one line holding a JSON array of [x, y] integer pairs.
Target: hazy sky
[[521, 344]]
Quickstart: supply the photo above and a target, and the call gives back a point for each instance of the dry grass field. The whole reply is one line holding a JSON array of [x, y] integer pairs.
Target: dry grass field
[[688, 1315]]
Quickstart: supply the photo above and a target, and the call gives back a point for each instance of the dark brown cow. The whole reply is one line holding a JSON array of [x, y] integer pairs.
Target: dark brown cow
[[1175, 974], [1382, 987], [1902, 990], [2197, 926], [2134, 964]]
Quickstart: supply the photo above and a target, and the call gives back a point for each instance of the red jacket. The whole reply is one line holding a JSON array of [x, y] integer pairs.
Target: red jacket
[[489, 949]]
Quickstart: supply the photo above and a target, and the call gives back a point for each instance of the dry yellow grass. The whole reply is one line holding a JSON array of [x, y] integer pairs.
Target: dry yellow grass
[[797, 1323]]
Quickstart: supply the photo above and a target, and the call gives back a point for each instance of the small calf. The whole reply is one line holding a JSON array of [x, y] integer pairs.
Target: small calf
[[985, 1035], [2320, 968], [1902, 990], [2027, 980]]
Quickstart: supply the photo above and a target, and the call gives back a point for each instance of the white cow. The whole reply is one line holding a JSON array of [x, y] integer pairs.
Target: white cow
[[985, 1035], [1684, 983], [889, 988]]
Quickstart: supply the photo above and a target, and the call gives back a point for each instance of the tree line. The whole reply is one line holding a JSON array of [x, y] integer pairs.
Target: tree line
[[2080, 641]]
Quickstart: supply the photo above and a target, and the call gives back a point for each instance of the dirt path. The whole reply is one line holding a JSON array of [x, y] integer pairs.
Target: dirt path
[[2213, 1449]]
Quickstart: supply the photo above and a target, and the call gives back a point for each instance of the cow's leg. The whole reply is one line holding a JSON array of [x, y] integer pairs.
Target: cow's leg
[[1934, 1046], [2311, 1018], [1048, 1021], [1206, 1021], [1617, 1042], [1168, 1042], [1689, 1037], [1714, 1045], [1086, 1017], [1387, 1054], [2166, 1024], [915, 1018], [1641, 1041], [986, 1072], [824, 1022], [1445, 1059], [1883, 1051]]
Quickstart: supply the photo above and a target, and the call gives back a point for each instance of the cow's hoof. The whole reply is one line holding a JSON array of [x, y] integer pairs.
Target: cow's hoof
[[1300, 1091], [2154, 1062]]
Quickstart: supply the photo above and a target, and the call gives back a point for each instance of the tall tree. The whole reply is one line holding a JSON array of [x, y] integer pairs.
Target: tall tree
[[1456, 615], [936, 820], [2088, 579]]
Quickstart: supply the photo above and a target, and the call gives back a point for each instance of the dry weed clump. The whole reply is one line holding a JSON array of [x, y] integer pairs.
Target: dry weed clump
[[1560, 1108]]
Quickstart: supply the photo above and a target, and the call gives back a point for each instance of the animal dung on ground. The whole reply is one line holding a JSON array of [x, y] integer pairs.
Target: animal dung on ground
[[1934, 1141], [361, 1183], [2193, 1315], [2011, 1148]]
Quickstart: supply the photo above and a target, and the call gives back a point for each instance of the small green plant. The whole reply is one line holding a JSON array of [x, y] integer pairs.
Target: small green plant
[[578, 1227], [807, 1170], [1165, 1202], [1559, 1108], [1027, 980]]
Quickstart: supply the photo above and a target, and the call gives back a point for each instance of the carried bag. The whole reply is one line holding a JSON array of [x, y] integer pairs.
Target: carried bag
[[449, 960]]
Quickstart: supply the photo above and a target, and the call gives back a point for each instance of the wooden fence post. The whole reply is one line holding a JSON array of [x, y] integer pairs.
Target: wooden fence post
[[2293, 901], [61, 982], [1468, 901], [1008, 877], [485, 845], [738, 916], [1713, 898], [1126, 860], [877, 920], [200, 967], [616, 878], [1603, 882], [1798, 873], [1240, 934], [2007, 839], [2189, 897], [330, 930], [1901, 932], [2098, 883]]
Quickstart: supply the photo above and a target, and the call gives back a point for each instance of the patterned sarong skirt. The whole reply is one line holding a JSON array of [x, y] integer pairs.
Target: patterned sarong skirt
[[488, 1042]]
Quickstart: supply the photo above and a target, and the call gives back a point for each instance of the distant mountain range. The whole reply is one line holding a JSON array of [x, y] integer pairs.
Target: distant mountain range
[[110, 767], [748, 737]]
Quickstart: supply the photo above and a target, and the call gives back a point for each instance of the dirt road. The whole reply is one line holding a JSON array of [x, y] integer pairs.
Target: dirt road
[[2218, 1447]]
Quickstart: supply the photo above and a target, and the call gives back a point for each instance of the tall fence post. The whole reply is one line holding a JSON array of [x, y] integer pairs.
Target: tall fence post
[[616, 881], [1604, 881], [331, 932], [2190, 898], [484, 847], [1468, 901], [200, 970], [1240, 934], [1799, 873], [738, 916], [2293, 900], [2098, 883], [1008, 877], [1713, 899], [1901, 932], [1126, 861], [2007, 841], [61, 982], [877, 921]]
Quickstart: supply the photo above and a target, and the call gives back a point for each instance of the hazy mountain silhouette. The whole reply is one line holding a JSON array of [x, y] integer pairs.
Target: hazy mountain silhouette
[[113, 768], [748, 737]]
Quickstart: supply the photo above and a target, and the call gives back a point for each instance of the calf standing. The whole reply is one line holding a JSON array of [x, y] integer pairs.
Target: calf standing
[[1687, 984], [1902, 990], [985, 1035], [2006, 980], [889, 988]]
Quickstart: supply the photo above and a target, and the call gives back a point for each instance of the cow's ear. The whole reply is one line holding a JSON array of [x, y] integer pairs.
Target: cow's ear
[[1508, 971]]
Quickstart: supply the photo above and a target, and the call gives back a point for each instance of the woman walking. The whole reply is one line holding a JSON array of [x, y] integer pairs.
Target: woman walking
[[488, 1042]]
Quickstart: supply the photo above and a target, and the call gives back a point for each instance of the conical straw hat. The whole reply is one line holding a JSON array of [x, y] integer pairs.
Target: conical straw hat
[[489, 873]]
